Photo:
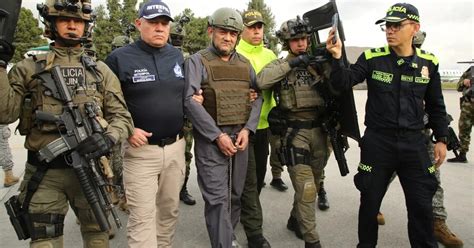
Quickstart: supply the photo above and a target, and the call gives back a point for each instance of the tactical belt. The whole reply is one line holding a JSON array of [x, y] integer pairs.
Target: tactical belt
[[167, 141], [303, 124], [58, 163], [396, 131]]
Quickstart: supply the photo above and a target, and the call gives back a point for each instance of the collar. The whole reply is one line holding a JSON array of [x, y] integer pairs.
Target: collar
[[412, 63], [249, 48], [150, 49]]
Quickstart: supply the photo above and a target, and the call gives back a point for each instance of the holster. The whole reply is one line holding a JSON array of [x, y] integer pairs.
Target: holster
[[19, 218]]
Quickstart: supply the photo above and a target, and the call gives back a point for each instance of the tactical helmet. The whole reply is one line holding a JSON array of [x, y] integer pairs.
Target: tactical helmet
[[176, 29], [51, 9], [226, 18], [176, 35], [419, 38], [120, 41], [293, 29]]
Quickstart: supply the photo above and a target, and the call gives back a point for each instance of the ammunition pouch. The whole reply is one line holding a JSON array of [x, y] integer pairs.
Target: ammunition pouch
[[276, 121], [26, 113], [19, 218]]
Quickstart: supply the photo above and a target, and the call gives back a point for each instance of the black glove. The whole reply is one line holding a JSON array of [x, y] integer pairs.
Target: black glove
[[95, 145], [300, 61], [6, 51]]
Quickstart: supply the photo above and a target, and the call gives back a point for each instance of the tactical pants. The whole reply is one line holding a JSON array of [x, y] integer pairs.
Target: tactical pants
[[276, 166], [251, 215], [58, 188], [306, 178], [466, 119], [5, 152], [153, 177], [403, 152], [213, 178]]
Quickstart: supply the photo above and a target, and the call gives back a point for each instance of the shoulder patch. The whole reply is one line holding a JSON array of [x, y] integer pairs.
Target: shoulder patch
[[376, 52]]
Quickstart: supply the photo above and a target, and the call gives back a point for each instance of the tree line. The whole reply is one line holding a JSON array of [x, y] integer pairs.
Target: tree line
[[114, 18]]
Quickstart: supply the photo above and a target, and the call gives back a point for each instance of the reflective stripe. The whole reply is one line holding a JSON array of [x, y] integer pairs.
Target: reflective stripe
[[426, 55], [364, 167], [376, 52], [432, 169]]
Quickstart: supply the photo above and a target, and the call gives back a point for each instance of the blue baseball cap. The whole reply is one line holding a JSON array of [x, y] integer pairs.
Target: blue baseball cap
[[154, 9]]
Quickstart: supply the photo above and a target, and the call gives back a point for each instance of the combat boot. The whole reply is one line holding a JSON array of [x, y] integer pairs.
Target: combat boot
[[380, 219], [317, 244], [461, 158], [293, 225], [258, 241], [186, 197], [278, 184], [445, 236], [323, 202], [10, 179]]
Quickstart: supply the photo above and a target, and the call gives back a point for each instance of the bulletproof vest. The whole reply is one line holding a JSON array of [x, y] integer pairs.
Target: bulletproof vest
[[226, 89], [297, 93], [83, 86]]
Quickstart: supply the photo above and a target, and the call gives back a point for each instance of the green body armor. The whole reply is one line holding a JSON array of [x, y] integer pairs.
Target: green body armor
[[226, 90]]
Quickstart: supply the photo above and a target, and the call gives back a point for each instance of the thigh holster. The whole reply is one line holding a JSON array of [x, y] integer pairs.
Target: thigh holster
[[46, 226]]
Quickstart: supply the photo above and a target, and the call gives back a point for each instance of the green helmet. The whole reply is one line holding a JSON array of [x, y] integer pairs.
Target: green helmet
[[226, 18], [120, 41], [51, 9], [176, 29], [292, 29], [419, 38]]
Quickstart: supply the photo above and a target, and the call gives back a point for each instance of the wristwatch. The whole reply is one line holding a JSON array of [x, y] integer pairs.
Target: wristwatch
[[443, 139]]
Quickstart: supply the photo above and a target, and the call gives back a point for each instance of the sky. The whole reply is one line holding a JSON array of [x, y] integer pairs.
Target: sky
[[449, 24]]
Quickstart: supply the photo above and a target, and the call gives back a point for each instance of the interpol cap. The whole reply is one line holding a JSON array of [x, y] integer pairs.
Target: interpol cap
[[250, 17], [400, 12], [153, 9]]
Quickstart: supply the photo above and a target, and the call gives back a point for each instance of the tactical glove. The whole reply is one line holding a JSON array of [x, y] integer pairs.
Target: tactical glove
[[6, 52], [300, 61], [95, 145]]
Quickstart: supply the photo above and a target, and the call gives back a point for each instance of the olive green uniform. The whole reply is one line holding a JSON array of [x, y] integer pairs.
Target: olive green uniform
[[60, 185], [302, 108]]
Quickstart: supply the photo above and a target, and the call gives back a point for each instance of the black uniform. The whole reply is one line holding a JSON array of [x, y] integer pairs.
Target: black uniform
[[399, 91], [149, 80]]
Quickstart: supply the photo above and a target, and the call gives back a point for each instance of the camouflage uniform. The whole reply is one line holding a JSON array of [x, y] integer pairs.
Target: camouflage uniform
[[5, 152], [466, 119], [60, 188]]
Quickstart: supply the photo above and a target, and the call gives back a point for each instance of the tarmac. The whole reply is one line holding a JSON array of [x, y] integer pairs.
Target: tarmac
[[337, 226]]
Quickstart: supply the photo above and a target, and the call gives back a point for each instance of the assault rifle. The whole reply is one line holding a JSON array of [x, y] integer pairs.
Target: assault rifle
[[340, 119], [74, 128]]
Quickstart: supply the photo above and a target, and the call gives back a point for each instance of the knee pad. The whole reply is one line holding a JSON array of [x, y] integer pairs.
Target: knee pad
[[309, 192], [48, 243], [96, 239]]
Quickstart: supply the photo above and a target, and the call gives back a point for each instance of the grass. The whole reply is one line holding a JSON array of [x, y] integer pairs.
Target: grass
[[449, 86]]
